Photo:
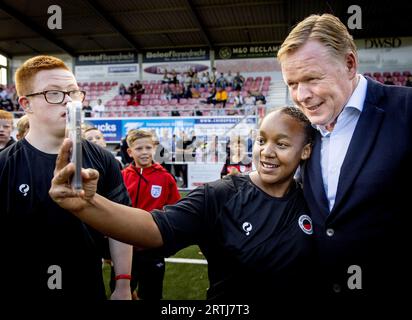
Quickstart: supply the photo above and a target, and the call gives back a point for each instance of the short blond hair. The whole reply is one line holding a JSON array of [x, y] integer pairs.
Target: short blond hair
[[22, 126], [5, 115], [27, 71], [325, 28], [136, 134]]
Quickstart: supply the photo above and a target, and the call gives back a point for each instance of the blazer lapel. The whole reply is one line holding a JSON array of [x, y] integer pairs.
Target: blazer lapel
[[362, 141], [313, 178]]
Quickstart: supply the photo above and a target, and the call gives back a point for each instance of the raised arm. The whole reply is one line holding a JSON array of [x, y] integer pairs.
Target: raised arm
[[126, 224]]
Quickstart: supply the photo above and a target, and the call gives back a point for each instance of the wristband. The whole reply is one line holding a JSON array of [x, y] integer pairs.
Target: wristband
[[123, 276]]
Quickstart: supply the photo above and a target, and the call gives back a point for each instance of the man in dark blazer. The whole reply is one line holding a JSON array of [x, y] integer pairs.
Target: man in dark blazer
[[356, 180]]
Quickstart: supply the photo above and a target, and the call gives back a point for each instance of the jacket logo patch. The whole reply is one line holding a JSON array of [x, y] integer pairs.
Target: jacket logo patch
[[156, 191], [247, 227], [305, 223], [24, 189]]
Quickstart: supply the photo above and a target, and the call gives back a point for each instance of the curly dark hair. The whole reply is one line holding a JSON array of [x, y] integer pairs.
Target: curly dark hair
[[298, 115]]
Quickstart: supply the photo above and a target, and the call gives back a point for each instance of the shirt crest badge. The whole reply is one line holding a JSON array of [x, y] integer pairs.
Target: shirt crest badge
[[156, 191]]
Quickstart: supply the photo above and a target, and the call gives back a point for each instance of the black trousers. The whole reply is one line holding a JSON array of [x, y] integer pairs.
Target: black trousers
[[148, 270]]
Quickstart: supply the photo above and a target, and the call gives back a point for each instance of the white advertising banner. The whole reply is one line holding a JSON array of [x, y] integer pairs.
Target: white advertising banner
[[123, 73], [391, 54], [201, 173]]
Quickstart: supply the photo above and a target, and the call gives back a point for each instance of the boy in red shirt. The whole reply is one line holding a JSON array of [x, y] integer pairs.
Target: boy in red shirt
[[150, 186]]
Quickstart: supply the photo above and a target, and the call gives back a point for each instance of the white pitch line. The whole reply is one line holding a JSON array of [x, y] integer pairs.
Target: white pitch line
[[182, 260]]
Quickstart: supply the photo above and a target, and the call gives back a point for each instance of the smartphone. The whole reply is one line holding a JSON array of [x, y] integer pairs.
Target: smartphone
[[74, 132]]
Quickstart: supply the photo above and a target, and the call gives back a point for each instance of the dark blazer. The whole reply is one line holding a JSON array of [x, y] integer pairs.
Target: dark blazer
[[370, 224]]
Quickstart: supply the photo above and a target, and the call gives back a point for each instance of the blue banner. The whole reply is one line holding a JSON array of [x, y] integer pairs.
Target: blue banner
[[111, 128], [114, 129]]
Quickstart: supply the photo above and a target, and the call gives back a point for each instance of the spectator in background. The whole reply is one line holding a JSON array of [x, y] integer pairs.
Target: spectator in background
[[250, 100], [6, 103], [196, 112], [122, 90], [6, 127], [130, 88], [259, 98], [221, 97], [229, 79], [213, 76], [188, 92], [87, 109], [95, 136], [22, 127], [150, 187], [408, 82], [389, 81], [211, 97], [98, 109], [173, 77], [221, 81], [177, 93], [138, 90], [191, 72], [166, 78], [133, 101], [196, 80], [204, 80], [162, 154], [211, 149], [126, 159], [237, 160], [188, 80], [195, 93], [3, 92], [238, 81], [237, 99]]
